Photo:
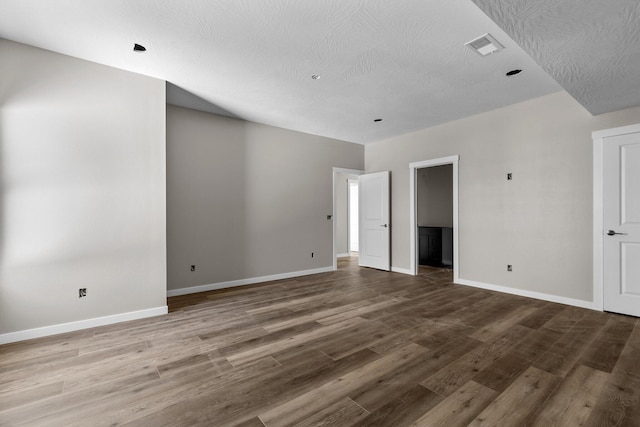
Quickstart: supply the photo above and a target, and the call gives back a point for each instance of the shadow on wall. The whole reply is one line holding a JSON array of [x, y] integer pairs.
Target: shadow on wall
[[3, 186], [183, 98], [207, 199], [9, 85]]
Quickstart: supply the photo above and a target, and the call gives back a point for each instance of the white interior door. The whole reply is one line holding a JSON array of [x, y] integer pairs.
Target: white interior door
[[621, 220], [374, 221]]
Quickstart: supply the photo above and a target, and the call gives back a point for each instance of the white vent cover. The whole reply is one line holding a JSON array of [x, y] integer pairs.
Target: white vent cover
[[484, 45]]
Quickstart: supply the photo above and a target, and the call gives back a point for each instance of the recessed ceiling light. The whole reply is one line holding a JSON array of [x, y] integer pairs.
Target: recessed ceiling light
[[377, 120], [315, 76], [513, 72], [484, 45], [139, 48]]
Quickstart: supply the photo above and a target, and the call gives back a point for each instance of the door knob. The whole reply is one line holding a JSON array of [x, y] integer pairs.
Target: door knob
[[384, 225], [613, 233]]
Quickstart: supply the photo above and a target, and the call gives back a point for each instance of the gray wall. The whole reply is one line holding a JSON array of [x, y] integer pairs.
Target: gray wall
[[246, 200], [82, 190], [435, 196], [541, 221]]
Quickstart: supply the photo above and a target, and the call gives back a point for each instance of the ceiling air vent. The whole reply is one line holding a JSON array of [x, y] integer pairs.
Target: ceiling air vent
[[484, 45]]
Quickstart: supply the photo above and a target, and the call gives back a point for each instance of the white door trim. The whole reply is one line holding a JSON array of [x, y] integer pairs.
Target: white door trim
[[413, 241], [598, 231], [336, 171]]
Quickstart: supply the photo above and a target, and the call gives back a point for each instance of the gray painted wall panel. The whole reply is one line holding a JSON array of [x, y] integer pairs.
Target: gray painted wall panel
[[247, 200], [82, 190]]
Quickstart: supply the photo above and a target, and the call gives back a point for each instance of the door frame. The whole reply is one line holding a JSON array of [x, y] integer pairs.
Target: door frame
[[413, 195], [598, 208], [335, 173]]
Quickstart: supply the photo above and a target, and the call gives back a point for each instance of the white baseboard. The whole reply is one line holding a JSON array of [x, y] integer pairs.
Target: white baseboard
[[80, 324], [344, 255], [529, 294], [244, 282], [402, 270]]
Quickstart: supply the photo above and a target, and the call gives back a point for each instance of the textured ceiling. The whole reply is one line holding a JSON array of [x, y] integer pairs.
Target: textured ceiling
[[402, 61], [590, 47]]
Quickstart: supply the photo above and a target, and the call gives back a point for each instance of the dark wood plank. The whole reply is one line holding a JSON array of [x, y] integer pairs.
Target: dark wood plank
[[503, 372], [329, 393], [342, 413], [605, 350], [453, 376], [520, 401], [541, 316], [459, 408], [373, 395], [565, 352], [618, 404], [619, 401], [572, 402], [402, 410]]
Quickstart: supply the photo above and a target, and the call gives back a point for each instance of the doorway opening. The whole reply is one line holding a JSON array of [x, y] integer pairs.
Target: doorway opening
[[434, 215], [434, 225], [345, 207], [352, 214]]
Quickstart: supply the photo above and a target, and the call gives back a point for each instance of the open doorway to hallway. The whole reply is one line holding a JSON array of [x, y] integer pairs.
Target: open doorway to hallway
[[352, 214], [345, 216]]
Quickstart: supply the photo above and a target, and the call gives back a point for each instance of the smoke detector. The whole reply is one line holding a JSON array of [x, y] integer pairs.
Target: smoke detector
[[484, 45]]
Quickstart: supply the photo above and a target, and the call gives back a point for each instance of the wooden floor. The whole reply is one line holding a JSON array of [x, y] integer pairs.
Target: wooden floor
[[356, 347]]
